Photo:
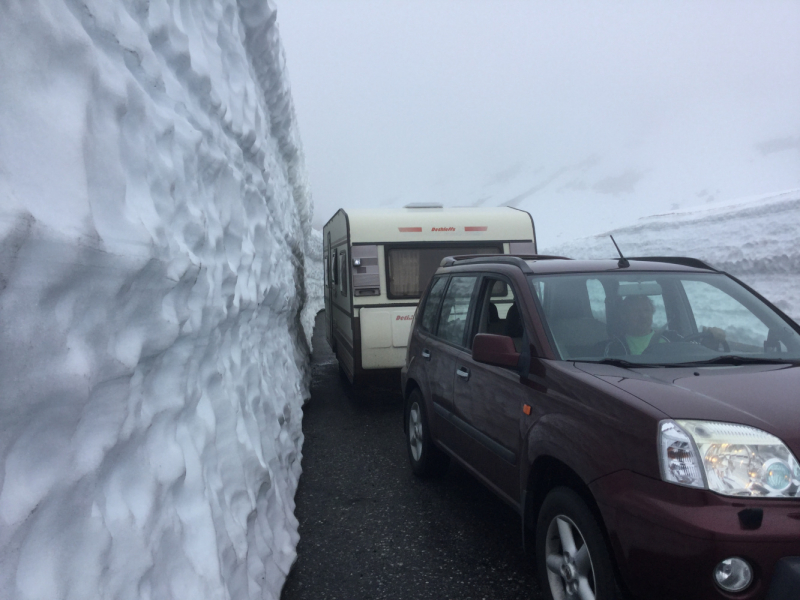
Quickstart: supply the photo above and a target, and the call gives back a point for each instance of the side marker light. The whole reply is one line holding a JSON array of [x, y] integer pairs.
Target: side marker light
[[526, 409]]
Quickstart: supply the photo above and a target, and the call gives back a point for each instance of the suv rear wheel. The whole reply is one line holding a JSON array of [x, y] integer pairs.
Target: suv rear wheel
[[425, 458], [571, 554]]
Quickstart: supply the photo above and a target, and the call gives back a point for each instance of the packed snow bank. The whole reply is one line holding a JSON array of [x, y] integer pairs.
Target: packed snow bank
[[314, 282], [754, 239], [154, 221]]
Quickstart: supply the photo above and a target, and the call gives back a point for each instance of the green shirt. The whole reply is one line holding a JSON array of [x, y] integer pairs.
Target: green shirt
[[638, 343]]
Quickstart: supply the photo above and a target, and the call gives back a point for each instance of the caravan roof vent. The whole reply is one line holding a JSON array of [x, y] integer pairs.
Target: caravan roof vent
[[424, 205]]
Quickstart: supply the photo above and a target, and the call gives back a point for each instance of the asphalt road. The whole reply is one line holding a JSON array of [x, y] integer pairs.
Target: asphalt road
[[369, 529]]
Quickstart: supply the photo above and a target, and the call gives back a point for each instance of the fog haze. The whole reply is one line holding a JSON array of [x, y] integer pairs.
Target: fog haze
[[589, 115]]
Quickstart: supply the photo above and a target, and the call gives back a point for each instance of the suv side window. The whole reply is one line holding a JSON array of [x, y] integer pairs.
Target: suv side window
[[455, 309], [497, 300], [431, 309]]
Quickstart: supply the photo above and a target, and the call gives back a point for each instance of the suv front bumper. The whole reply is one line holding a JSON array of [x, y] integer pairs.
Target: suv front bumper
[[667, 539]]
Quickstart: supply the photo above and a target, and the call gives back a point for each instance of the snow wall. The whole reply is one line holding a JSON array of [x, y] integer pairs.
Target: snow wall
[[314, 281], [154, 226], [754, 239]]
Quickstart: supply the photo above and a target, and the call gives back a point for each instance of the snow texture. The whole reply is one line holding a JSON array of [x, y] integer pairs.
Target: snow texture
[[314, 280], [754, 239], [154, 229]]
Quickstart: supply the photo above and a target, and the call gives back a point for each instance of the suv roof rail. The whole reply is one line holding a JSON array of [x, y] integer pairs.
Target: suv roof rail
[[518, 260], [676, 260]]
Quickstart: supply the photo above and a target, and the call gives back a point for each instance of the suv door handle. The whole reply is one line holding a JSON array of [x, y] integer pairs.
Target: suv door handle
[[463, 372], [426, 354]]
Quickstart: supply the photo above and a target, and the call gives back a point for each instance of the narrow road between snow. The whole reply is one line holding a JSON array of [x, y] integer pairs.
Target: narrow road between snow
[[369, 529]]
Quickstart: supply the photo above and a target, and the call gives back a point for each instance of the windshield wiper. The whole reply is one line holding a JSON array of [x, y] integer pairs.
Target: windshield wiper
[[619, 362], [732, 359]]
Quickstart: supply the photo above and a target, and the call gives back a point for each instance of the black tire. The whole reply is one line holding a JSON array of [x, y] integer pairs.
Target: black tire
[[342, 373], [586, 569], [354, 384], [426, 459]]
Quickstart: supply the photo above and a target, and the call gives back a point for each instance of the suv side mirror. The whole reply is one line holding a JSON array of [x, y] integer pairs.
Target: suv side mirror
[[496, 350]]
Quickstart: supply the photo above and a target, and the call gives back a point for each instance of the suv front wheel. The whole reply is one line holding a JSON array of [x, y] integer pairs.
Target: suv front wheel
[[571, 554], [425, 458]]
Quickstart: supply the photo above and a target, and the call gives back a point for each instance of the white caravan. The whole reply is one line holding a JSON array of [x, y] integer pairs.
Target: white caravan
[[378, 262]]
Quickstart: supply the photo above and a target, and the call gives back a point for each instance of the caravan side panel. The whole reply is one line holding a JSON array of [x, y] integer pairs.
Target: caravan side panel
[[384, 335]]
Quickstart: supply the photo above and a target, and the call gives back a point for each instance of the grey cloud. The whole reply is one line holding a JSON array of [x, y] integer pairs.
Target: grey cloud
[[779, 145], [622, 184]]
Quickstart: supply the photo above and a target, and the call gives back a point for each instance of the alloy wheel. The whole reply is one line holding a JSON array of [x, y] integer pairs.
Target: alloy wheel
[[570, 572], [415, 438]]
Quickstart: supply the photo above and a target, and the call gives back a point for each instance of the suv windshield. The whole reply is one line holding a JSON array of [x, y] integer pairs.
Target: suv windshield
[[661, 318]]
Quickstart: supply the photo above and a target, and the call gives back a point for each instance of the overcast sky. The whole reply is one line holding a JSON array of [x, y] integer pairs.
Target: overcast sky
[[587, 114]]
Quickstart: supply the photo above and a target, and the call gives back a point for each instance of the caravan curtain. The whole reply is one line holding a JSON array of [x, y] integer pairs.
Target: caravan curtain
[[410, 269]]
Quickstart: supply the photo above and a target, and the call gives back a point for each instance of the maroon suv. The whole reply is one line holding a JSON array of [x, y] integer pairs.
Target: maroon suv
[[642, 416]]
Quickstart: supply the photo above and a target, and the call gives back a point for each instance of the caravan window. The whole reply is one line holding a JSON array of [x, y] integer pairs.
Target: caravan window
[[335, 269], [343, 274], [411, 268], [327, 254]]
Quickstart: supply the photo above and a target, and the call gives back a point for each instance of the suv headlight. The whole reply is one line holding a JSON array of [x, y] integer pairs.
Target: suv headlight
[[733, 460]]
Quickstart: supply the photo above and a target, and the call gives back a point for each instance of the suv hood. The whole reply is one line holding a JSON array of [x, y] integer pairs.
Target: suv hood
[[762, 396]]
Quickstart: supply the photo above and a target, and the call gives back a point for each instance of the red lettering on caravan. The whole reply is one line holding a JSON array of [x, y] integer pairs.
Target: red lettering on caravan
[[443, 228], [404, 318]]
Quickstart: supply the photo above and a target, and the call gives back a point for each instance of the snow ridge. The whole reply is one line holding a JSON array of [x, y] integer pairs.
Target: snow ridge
[[754, 239], [154, 225]]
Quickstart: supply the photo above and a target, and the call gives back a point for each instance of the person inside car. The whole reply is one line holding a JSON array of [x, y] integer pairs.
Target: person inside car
[[636, 315], [636, 318]]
